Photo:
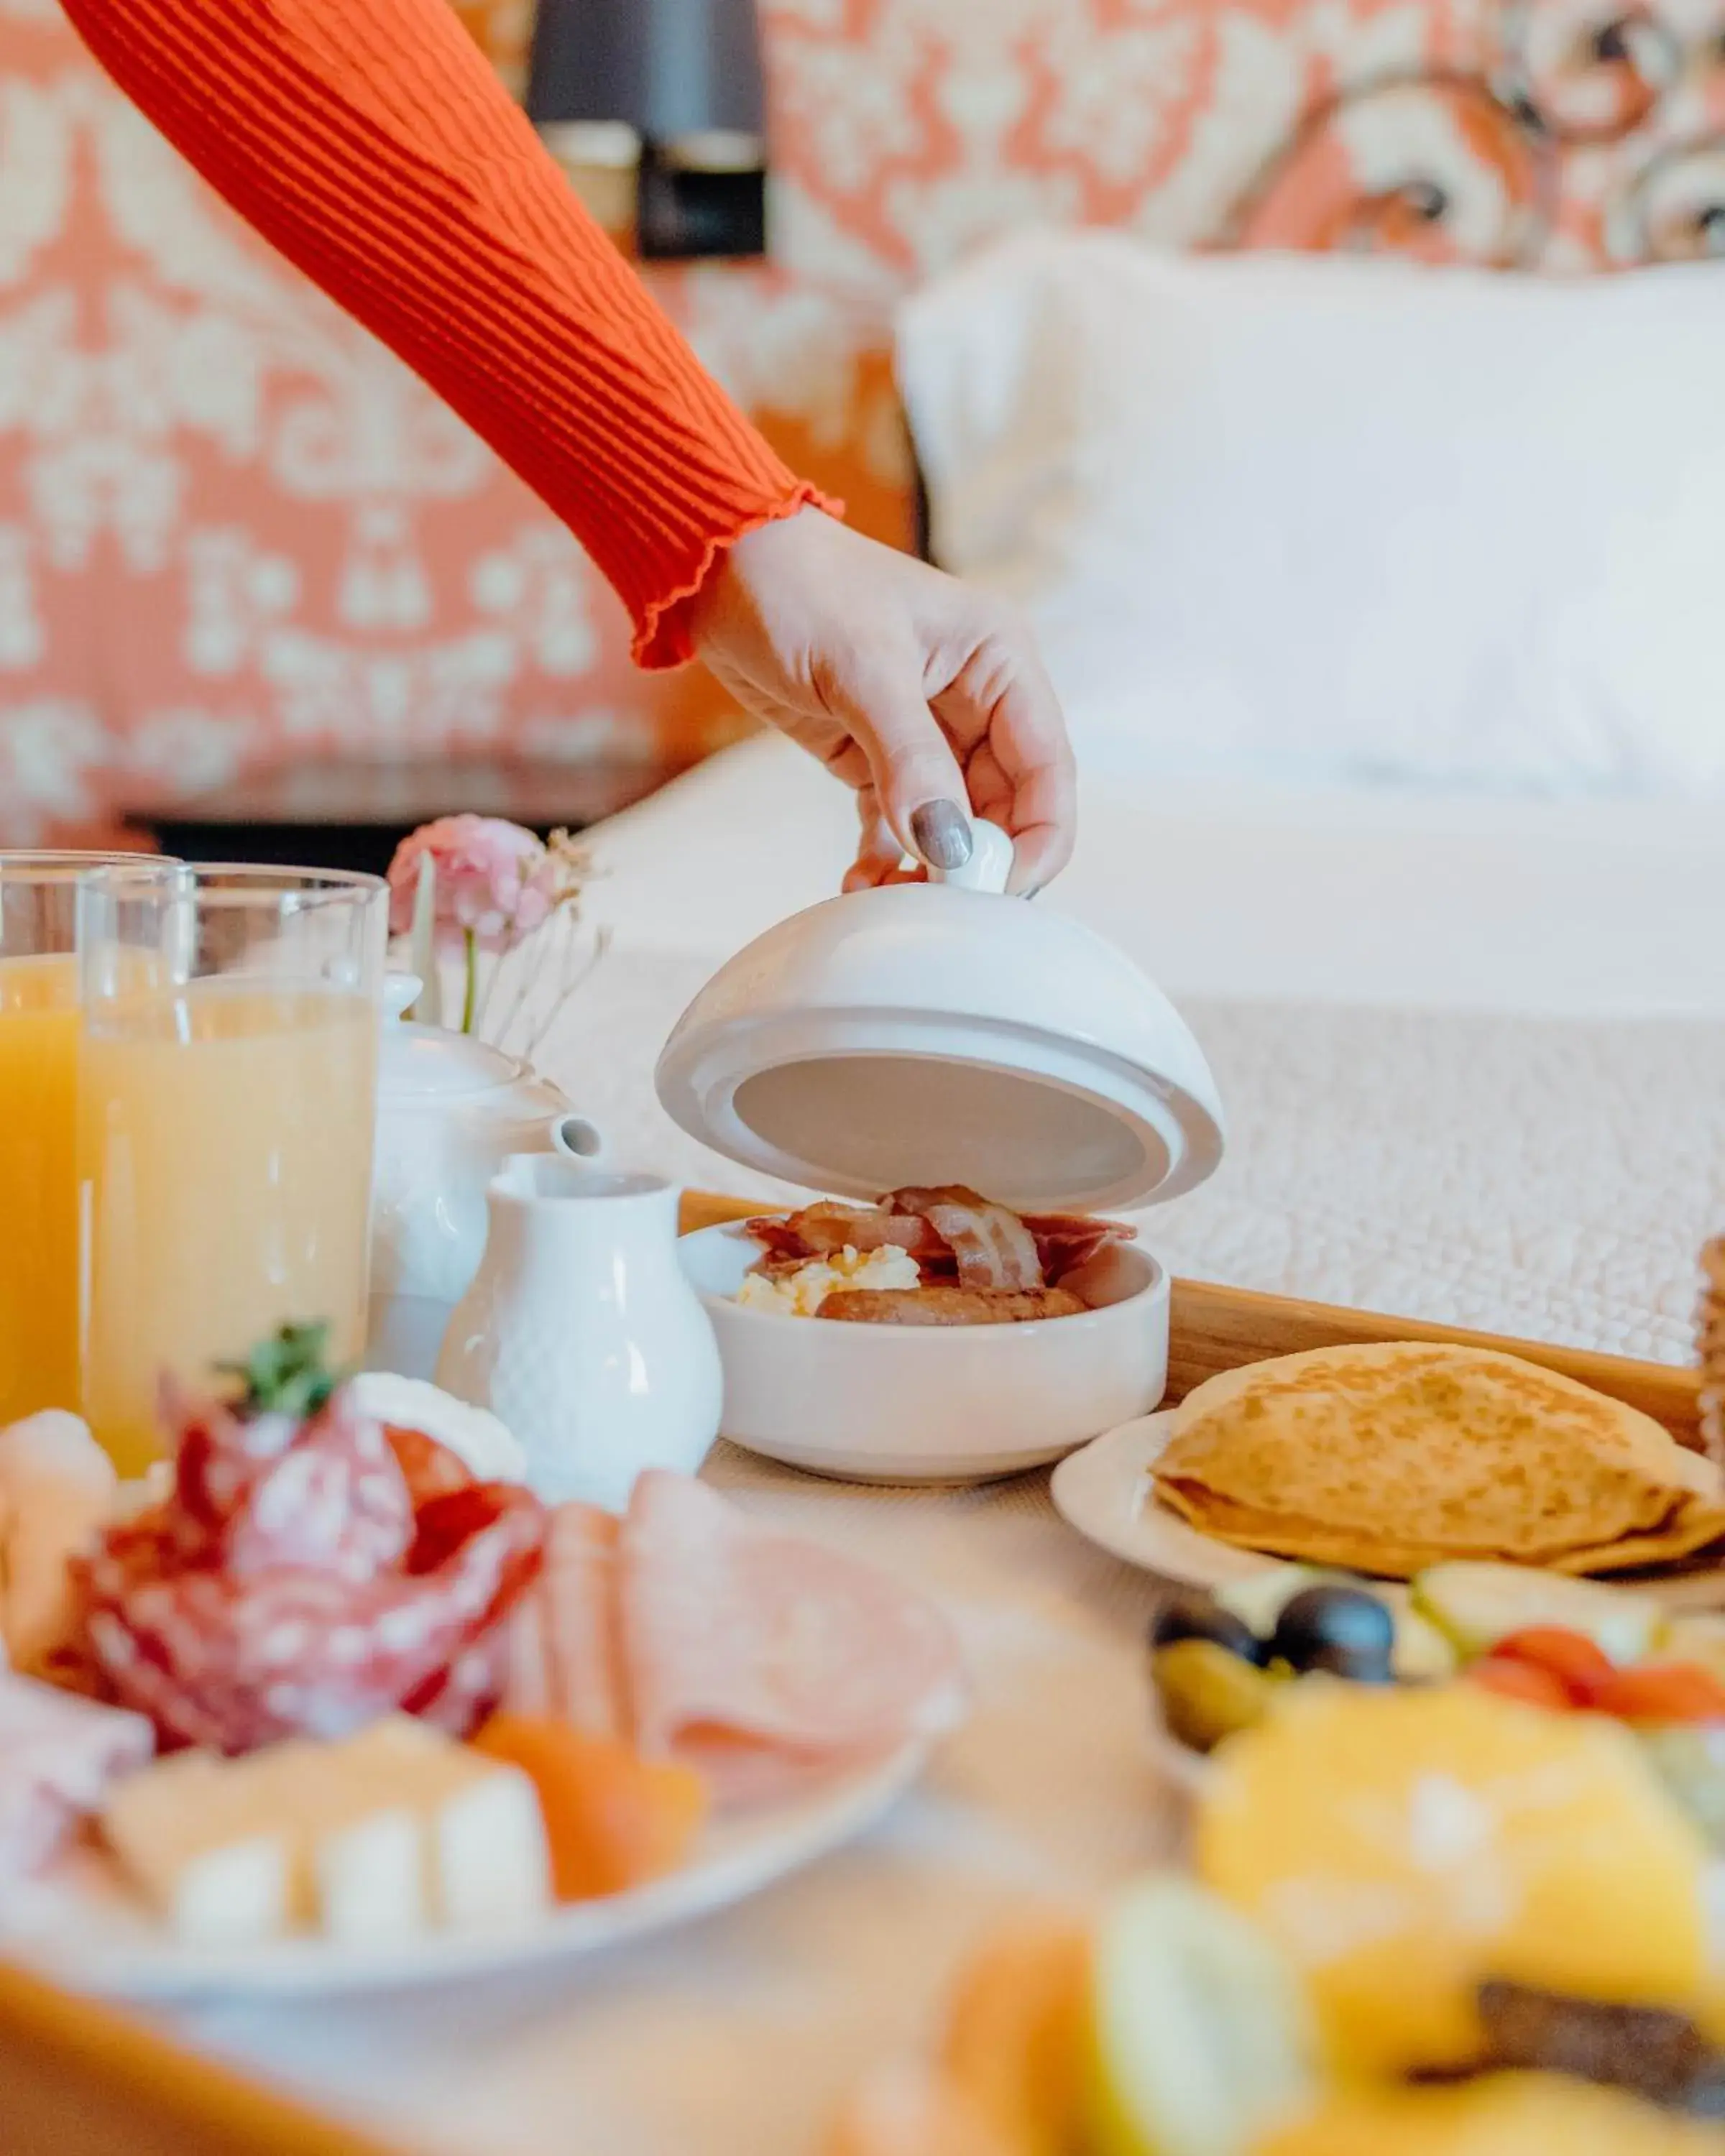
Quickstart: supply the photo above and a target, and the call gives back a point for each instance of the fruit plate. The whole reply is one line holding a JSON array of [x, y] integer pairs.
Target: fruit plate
[[79, 1929], [1104, 1491]]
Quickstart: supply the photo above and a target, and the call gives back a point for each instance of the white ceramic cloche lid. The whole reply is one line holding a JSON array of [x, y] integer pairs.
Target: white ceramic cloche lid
[[942, 1032]]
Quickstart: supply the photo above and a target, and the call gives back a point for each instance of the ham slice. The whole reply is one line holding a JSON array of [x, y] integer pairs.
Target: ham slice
[[564, 1650], [57, 1491], [993, 1246], [765, 1662], [762, 1658], [578, 1587], [59, 1755]]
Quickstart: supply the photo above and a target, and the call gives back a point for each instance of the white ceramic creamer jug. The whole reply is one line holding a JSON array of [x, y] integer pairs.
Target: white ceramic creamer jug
[[581, 1334], [451, 1112]]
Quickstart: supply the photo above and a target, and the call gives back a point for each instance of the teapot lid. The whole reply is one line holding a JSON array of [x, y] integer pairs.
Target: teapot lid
[[942, 1033], [426, 1063]]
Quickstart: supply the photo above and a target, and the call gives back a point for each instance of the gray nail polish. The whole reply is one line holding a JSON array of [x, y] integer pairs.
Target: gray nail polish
[[941, 831]]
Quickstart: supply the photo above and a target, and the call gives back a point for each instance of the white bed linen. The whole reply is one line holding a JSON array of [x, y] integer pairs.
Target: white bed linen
[[1339, 516], [1550, 1174], [1577, 908], [1472, 1050]]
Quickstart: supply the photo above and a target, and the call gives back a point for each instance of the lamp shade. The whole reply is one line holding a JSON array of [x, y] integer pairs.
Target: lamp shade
[[656, 108], [673, 70]]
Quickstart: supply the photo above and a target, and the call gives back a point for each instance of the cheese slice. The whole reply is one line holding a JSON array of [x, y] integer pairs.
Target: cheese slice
[[375, 1839], [357, 1843], [486, 1856], [210, 1847], [368, 1877]]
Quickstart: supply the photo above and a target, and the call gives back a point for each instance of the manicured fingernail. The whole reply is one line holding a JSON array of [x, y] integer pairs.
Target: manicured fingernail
[[941, 831]]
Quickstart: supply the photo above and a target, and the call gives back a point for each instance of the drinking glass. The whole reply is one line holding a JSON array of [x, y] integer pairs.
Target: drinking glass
[[38, 1073], [226, 1112]]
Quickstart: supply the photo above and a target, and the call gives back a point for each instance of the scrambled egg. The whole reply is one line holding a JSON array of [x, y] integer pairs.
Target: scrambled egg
[[801, 1294]]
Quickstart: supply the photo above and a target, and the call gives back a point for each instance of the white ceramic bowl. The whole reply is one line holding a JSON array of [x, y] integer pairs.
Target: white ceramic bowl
[[958, 1403]]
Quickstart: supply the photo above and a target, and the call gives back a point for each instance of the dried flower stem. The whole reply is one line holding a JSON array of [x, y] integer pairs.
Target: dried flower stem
[[601, 944]]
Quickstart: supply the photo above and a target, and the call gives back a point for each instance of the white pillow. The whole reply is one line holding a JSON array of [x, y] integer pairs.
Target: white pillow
[[1325, 518]]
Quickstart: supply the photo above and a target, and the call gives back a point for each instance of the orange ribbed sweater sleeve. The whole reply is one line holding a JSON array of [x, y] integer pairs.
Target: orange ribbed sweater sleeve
[[371, 142]]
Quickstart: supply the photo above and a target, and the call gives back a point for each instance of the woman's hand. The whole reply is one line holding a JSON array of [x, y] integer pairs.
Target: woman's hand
[[919, 692]]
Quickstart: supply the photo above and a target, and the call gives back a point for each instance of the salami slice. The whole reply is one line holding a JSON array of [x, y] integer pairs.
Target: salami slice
[[235, 1662], [432, 1470], [335, 1500], [471, 1689], [741, 1639], [219, 1457]]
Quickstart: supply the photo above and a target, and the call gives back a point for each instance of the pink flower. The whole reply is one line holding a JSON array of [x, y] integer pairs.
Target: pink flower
[[494, 881]]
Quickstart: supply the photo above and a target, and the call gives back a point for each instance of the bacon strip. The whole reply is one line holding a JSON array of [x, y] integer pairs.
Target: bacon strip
[[820, 1229], [1067, 1241], [994, 1247], [997, 1245]]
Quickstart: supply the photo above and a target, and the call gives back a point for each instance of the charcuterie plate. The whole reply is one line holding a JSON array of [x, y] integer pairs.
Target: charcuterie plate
[[327, 1714], [79, 1927]]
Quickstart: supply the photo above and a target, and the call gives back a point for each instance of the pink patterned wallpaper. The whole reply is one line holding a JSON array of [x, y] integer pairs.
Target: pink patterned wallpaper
[[232, 530]]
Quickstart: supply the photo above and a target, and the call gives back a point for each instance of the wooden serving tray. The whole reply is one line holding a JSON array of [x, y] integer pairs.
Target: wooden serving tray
[[78, 2080], [74, 2076]]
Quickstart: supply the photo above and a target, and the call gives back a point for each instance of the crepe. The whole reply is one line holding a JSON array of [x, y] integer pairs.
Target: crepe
[[1387, 1459]]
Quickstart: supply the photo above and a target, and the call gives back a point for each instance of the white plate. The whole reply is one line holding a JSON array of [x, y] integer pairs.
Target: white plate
[[82, 1931], [1105, 1492]]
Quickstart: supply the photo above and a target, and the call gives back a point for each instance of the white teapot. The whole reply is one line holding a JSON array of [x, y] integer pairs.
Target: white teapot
[[451, 1112]]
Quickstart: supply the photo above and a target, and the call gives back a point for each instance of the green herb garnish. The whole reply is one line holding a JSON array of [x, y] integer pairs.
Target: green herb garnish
[[287, 1375]]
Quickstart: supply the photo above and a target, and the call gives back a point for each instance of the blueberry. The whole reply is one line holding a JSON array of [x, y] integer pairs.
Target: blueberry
[[1342, 1630], [1188, 1615]]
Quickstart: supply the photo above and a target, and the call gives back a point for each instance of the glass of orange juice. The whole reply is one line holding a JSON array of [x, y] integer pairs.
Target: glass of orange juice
[[226, 1113], [38, 1072]]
